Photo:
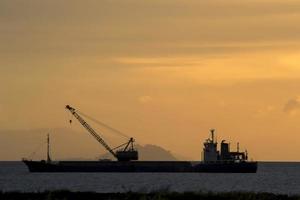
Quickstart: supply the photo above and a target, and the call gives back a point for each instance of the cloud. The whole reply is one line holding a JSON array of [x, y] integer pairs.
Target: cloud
[[145, 99], [292, 105], [265, 111]]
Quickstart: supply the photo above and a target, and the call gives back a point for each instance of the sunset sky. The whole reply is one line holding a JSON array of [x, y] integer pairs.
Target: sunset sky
[[162, 71]]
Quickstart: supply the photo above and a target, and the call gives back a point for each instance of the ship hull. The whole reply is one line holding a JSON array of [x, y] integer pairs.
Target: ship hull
[[142, 166]]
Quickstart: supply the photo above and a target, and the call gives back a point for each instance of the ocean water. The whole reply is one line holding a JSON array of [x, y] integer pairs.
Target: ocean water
[[275, 177]]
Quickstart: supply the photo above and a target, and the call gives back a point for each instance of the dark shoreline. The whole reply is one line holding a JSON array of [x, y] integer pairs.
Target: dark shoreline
[[64, 195]]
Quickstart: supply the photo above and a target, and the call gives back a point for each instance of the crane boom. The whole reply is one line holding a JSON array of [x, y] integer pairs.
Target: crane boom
[[128, 153], [90, 130]]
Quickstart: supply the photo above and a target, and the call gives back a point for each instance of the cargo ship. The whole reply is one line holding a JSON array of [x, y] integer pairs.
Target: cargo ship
[[126, 159]]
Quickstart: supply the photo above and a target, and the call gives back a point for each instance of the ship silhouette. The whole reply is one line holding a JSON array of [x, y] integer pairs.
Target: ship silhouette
[[126, 158]]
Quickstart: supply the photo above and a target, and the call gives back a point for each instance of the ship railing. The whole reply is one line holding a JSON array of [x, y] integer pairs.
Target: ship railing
[[224, 161]]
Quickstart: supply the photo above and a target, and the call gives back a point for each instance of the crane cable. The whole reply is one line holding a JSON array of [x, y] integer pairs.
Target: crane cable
[[116, 131], [36, 150]]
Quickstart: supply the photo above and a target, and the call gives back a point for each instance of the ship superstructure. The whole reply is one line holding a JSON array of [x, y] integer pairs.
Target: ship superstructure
[[211, 153]]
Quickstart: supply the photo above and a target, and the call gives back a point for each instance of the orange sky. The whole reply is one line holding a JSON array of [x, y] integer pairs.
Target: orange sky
[[163, 71]]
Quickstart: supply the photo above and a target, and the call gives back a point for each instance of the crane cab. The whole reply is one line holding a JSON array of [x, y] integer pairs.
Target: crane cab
[[127, 155]]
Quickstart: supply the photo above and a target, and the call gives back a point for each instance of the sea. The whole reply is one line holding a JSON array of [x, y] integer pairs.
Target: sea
[[271, 177]]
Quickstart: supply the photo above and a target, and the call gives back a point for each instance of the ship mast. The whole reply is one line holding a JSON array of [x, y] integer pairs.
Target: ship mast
[[212, 135], [48, 148]]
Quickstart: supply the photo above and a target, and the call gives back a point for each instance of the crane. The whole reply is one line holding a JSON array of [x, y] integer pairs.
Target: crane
[[126, 154]]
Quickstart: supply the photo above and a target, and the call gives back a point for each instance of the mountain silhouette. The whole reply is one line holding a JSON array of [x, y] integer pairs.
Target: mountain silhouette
[[154, 152]]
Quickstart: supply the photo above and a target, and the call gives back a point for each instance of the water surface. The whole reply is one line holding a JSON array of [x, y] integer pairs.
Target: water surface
[[276, 177]]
